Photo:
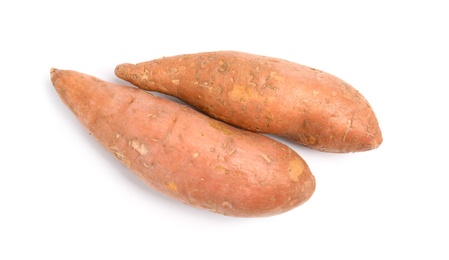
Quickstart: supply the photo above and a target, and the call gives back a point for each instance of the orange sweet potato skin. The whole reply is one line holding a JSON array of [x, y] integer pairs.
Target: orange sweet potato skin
[[186, 155], [265, 94]]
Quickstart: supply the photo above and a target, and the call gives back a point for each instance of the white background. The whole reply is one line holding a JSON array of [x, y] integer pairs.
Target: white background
[[62, 196]]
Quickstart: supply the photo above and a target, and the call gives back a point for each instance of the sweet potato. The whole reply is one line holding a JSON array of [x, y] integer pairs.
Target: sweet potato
[[185, 154], [267, 95]]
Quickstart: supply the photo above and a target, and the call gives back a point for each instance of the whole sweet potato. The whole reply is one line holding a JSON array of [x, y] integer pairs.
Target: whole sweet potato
[[267, 95], [187, 155]]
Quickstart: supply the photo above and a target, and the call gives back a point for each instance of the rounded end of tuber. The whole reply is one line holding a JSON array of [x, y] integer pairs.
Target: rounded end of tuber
[[367, 136]]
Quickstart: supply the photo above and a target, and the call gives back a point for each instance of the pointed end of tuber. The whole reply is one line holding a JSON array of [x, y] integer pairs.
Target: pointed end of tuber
[[53, 73], [123, 70]]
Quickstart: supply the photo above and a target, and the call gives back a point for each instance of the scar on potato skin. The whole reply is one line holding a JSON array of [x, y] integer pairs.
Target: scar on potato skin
[[226, 204], [120, 156], [311, 139], [348, 128], [166, 137], [139, 147], [221, 168], [295, 169], [171, 186], [221, 126], [265, 157]]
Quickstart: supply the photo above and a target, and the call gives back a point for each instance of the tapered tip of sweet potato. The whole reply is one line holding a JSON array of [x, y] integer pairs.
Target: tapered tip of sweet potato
[[57, 78], [123, 70], [53, 73]]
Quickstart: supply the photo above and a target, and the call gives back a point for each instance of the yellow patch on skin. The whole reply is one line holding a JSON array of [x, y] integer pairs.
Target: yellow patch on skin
[[221, 168], [295, 169], [175, 81], [195, 155], [311, 139], [141, 148], [171, 186], [224, 128], [151, 115], [242, 94]]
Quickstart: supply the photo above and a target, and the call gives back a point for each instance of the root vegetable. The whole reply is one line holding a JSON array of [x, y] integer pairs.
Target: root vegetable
[[185, 154], [267, 95]]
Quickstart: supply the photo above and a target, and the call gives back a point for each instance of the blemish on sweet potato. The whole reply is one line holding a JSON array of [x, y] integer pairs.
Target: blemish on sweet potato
[[171, 186], [226, 204], [348, 128], [139, 147], [221, 126], [265, 157], [221, 168], [295, 169], [150, 115]]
